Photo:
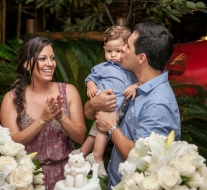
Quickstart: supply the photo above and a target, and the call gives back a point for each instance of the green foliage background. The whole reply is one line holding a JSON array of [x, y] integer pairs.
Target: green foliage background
[[74, 61]]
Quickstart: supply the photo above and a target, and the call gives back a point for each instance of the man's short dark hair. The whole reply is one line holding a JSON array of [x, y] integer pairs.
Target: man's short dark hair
[[156, 42]]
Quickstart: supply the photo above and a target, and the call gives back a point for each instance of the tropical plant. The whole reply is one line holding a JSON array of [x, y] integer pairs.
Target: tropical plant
[[192, 102], [94, 20], [8, 55], [193, 111], [76, 58], [155, 10], [74, 62]]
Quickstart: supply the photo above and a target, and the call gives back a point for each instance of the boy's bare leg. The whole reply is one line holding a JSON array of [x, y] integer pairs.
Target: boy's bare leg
[[99, 146], [88, 145]]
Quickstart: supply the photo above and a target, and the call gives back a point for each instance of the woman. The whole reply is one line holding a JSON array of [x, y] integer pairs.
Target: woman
[[45, 116]]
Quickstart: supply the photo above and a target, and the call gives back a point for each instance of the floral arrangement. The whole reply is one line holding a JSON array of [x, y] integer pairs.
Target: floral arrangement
[[160, 163], [18, 170]]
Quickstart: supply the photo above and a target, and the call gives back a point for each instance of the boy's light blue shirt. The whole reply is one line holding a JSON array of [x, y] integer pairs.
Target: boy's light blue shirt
[[110, 75], [154, 109]]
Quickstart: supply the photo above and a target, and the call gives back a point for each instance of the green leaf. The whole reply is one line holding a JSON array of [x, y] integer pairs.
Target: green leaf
[[184, 178], [100, 17], [47, 5], [29, 1], [86, 21], [176, 12], [81, 3], [144, 5], [64, 67], [109, 1], [93, 24], [200, 5], [40, 5], [95, 9], [37, 173], [87, 1], [189, 11], [167, 1], [190, 5], [168, 7], [178, 2], [173, 17], [203, 10], [80, 83]]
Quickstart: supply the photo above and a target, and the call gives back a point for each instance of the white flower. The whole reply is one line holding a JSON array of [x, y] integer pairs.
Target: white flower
[[16, 167], [203, 170], [10, 148], [8, 160], [168, 177], [127, 168], [157, 155], [133, 181], [162, 164], [179, 187], [5, 169], [204, 185], [6, 186], [20, 177], [27, 162], [151, 182], [38, 179], [154, 137], [196, 180], [4, 135], [29, 187], [190, 152], [39, 187], [139, 151], [185, 167], [134, 160]]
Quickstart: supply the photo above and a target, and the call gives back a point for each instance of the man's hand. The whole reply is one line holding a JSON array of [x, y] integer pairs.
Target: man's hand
[[105, 120], [104, 101]]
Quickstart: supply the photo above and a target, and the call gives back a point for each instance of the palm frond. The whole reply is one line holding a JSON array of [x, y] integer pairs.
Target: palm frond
[[80, 83], [194, 131], [64, 67]]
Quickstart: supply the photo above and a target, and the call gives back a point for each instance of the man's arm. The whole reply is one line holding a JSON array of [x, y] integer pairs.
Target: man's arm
[[105, 101], [104, 121]]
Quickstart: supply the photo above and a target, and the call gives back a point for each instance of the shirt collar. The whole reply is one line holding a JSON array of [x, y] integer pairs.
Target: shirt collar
[[113, 63], [149, 85]]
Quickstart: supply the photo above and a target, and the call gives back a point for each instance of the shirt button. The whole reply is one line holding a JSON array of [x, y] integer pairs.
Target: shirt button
[[128, 118]]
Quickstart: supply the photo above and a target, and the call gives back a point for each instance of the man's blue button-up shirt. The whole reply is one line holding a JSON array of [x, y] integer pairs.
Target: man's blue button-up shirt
[[154, 109]]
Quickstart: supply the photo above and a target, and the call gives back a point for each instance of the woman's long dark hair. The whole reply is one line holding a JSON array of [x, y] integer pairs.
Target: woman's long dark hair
[[28, 57]]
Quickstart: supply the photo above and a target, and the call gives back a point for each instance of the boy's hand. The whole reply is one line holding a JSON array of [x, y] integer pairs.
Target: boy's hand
[[130, 92], [91, 89]]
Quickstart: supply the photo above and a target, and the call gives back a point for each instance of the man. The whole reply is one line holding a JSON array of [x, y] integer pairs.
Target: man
[[154, 108]]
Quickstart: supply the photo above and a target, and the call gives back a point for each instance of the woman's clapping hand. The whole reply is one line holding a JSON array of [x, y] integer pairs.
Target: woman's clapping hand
[[52, 109]]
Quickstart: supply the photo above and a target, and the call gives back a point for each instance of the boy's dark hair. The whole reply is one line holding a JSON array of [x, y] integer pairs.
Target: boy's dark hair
[[156, 42], [115, 32]]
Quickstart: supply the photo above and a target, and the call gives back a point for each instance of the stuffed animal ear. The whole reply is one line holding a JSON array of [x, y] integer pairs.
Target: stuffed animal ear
[[69, 155], [81, 154]]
